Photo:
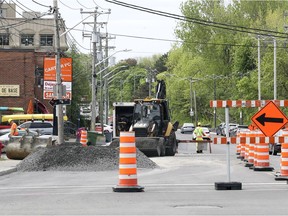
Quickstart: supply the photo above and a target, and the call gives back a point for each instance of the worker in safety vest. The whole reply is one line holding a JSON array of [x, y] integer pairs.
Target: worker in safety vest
[[198, 132], [13, 129]]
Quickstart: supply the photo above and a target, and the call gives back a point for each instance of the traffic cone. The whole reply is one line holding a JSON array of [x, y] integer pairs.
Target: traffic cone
[[261, 156], [83, 138], [251, 151], [127, 164], [284, 163]]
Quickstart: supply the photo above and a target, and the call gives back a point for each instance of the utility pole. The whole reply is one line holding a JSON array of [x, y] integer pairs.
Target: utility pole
[[259, 70], [275, 69], [95, 39], [93, 74], [59, 89]]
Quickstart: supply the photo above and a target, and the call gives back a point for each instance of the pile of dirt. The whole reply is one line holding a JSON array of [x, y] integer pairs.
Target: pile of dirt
[[74, 157]]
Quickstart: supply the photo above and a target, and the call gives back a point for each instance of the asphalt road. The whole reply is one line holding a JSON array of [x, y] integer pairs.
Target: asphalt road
[[183, 185]]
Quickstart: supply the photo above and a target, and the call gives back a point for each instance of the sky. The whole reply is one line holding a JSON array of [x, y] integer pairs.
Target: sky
[[121, 21]]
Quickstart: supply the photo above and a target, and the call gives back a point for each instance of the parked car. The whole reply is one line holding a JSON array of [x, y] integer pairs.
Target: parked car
[[239, 129], [275, 148], [70, 129], [42, 127], [187, 128], [206, 132], [219, 128], [231, 127]]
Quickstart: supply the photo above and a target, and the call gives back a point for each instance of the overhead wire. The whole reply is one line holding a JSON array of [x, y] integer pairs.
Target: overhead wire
[[84, 5], [201, 21], [69, 6], [41, 4]]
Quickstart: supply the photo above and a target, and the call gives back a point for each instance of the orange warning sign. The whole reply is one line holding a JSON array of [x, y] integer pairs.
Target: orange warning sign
[[269, 119]]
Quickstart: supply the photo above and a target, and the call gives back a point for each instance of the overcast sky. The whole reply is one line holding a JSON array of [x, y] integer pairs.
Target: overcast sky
[[121, 21]]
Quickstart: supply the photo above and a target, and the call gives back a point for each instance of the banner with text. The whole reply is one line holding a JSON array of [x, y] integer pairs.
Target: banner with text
[[50, 77]]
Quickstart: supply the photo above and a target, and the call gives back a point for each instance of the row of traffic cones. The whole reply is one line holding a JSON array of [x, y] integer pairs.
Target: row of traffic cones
[[256, 155]]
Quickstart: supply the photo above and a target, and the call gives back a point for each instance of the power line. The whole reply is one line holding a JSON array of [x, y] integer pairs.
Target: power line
[[201, 21], [69, 6], [85, 6], [41, 4]]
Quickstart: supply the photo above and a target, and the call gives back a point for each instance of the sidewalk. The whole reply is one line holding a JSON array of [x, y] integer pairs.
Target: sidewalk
[[7, 166]]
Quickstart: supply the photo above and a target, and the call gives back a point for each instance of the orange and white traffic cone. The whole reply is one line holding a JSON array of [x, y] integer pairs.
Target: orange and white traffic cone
[[261, 154], [127, 164], [83, 138], [284, 163]]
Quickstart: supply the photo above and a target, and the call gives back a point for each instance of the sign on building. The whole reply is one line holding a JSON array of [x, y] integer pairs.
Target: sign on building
[[50, 77], [9, 90]]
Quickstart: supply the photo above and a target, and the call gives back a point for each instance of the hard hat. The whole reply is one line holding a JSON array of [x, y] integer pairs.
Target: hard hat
[[9, 120], [199, 124]]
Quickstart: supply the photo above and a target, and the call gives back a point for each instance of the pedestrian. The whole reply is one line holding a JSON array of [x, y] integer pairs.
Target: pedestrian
[[198, 132], [13, 129]]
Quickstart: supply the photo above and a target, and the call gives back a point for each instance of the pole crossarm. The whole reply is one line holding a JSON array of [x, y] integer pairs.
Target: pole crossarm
[[246, 103], [250, 140]]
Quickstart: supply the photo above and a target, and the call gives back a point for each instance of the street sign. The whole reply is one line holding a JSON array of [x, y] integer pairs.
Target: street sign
[[54, 102], [269, 119]]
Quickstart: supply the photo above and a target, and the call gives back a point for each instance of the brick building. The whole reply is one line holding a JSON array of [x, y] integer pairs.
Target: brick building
[[24, 42]]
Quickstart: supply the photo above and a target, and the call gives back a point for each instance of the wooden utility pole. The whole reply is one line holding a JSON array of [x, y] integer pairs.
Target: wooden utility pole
[[59, 86]]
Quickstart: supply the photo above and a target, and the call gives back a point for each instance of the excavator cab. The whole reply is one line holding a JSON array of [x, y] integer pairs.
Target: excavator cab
[[147, 119]]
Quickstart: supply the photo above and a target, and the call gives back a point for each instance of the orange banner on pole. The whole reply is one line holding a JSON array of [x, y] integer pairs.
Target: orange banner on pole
[[50, 69]]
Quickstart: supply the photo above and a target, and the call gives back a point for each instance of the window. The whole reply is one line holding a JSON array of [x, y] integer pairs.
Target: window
[[3, 12], [46, 40], [4, 39], [27, 39]]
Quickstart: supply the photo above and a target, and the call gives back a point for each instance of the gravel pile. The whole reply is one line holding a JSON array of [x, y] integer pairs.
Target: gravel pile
[[74, 157]]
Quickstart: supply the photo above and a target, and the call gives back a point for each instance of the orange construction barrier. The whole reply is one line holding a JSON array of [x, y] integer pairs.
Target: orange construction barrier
[[127, 164], [261, 157], [241, 147], [238, 147], [98, 129], [250, 151], [83, 138], [284, 161]]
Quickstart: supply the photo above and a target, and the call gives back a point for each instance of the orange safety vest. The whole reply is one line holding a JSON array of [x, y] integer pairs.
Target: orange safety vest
[[14, 130]]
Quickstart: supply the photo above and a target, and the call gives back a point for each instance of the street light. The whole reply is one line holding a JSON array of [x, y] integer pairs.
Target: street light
[[93, 106], [106, 102], [125, 50]]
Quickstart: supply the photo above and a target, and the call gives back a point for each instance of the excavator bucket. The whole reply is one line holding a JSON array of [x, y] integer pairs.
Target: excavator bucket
[[20, 147]]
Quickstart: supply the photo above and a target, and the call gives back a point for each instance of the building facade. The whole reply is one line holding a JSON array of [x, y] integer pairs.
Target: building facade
[[24, 42]]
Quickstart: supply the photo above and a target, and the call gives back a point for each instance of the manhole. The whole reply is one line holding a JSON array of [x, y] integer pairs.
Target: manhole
[[198, 206]]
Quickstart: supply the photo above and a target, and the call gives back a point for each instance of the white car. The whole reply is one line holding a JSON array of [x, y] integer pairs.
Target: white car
[[187, 127], [107, 128]]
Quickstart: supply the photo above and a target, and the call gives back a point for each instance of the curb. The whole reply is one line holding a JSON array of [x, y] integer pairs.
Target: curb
[[8, 171]]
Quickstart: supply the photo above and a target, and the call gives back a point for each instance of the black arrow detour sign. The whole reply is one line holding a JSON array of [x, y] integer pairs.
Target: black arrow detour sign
[[270, 119]]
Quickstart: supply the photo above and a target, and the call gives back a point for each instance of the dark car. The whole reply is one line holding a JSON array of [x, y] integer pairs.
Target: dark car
[[219, 128], [187, 128]]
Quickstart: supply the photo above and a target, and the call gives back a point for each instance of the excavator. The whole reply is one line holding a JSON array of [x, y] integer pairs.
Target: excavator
[[150, 120]]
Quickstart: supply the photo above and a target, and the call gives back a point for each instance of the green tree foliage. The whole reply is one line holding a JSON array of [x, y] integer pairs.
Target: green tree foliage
[[223, 62], [217, 61], [81, 90]]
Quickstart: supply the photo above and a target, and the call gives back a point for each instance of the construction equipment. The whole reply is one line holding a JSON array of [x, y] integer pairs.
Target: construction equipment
[[150, 119], [19, 147]]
